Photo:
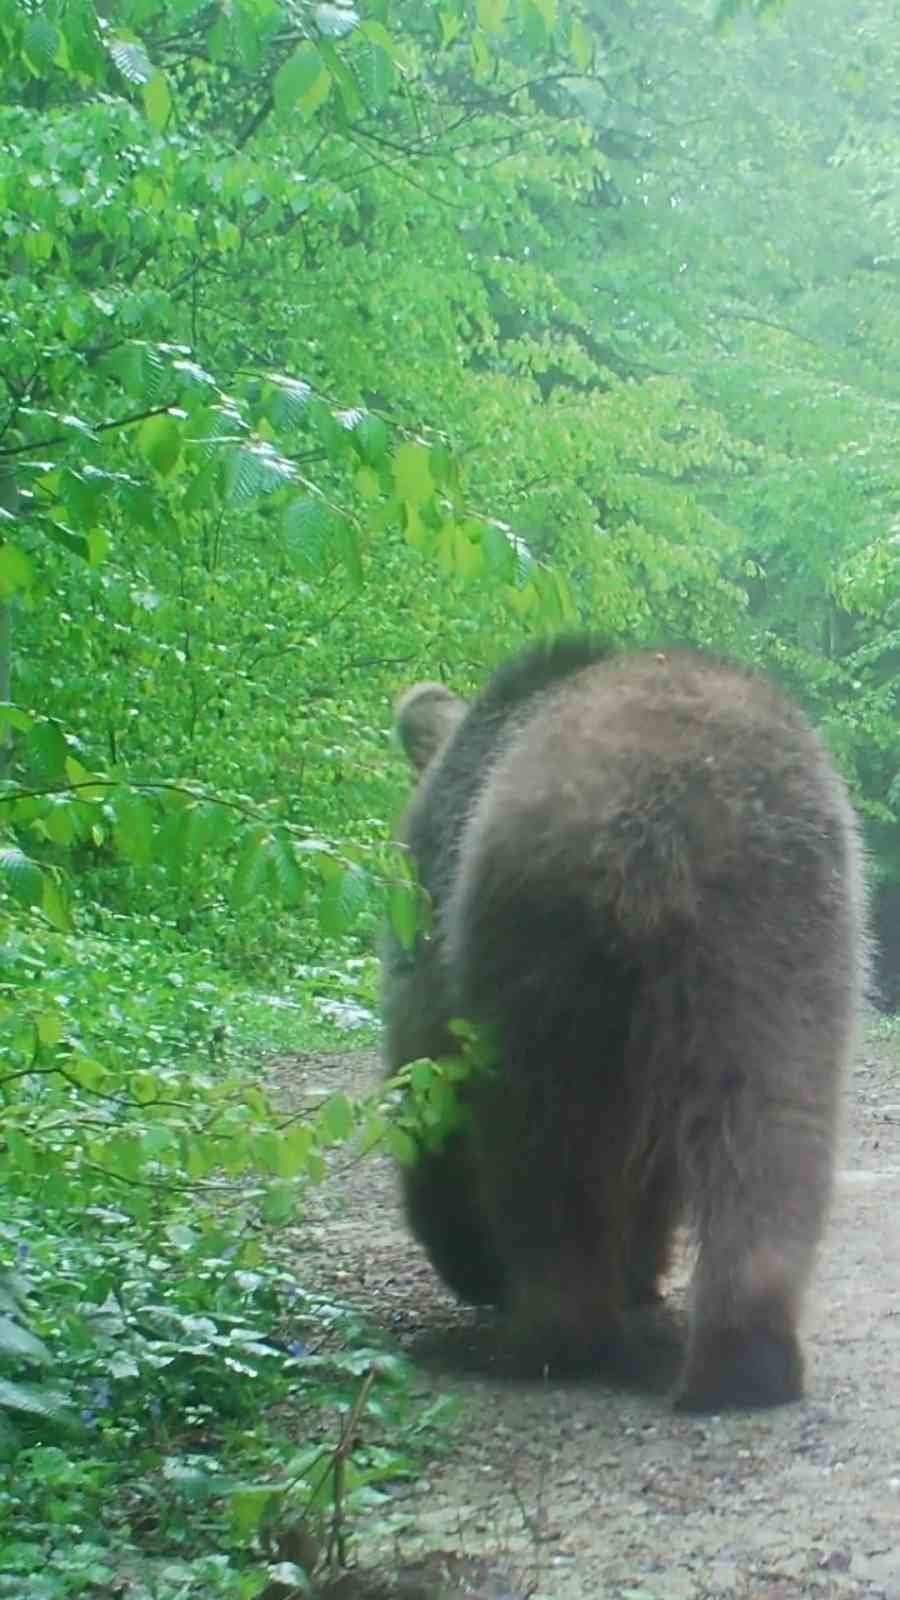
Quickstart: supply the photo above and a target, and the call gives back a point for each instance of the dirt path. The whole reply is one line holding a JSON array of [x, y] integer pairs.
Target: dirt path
[[583, 1490]]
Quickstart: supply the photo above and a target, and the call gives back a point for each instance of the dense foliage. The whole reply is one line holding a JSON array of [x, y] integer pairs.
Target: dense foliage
[[343, 343]]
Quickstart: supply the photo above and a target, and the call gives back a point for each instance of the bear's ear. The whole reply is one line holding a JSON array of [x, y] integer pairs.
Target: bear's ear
[[425, 716]]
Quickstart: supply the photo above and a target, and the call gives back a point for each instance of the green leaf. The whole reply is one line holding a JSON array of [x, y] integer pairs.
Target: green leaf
[[50, 1028], [303, 80], [35, 1400], [581, 45], [281, 1201], [294, 1147], [14, 717], [47, 751], [412, 474], [16, 571], [376, 73], [348, 92], [87, 1073], [133, 827], [205, 825], [347, 546], [342, 900], [308, 536], [249, 1508], [368, 484], [159, 438], [378, 34], [22, 876], [285, 869], [140, 369], [255, 469], [335, 438], [55, 907], [401, 1146], [547, 10], [251, 873], [403, 909], [17, 1344], [337, 1119], [289, 400], [132, 59], [158, 101], [482, 60], [371, 437], [40, 43], [66, 539], [491, 14], [501, 556]]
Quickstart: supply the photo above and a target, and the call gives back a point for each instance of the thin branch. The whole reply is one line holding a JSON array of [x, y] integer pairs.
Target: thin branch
[[95, 427]]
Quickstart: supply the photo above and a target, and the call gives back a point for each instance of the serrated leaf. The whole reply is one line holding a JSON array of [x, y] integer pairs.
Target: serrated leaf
[[40, 43], [133, 827], [22, 876], [132, 59], [16, 571], [251, 872], [499, 552], [205, 825], [35, 1401], [16, 1343], [371, 437], [329, 431], [288, 403], [375, 72], [308, 528], [285, 870], [159, 438], [47, 750], [303, 80], [140, 369], [342, 899], [158, 101], [255, 469]]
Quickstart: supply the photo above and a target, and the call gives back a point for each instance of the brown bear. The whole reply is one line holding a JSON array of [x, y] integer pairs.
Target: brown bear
[[647, 883]]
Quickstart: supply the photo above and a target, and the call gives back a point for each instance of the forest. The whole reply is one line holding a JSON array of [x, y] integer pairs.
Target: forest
[[346, 344]]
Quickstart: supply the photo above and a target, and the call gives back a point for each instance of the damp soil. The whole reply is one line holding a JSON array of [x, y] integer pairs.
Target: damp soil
[[560, 1490]]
